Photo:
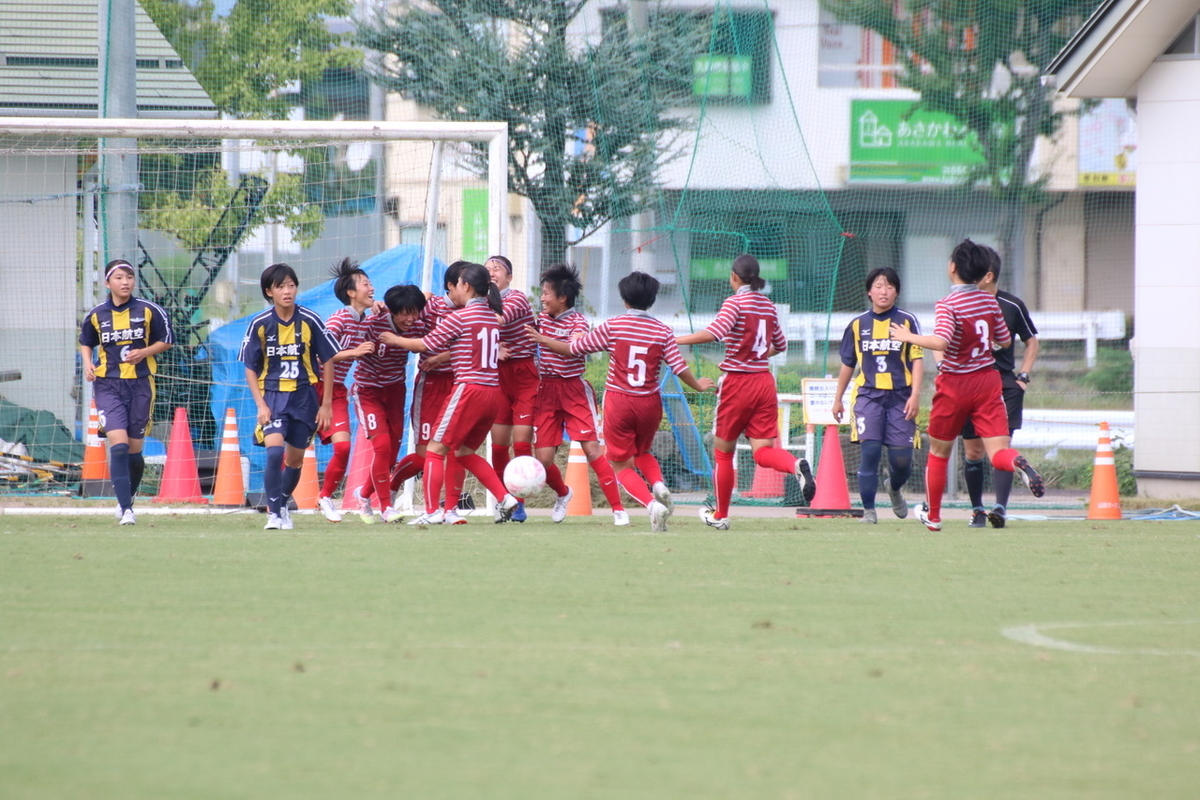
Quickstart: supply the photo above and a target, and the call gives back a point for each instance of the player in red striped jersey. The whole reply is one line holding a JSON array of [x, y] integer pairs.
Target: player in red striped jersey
[[353, 288], [638, 344], [472, 335], [968, 323], [518, 374], [565, 398], [747, 402], [379, 388]]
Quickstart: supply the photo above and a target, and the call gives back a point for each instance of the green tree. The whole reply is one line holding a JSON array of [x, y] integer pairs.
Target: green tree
[[981, 63], [588, 127]]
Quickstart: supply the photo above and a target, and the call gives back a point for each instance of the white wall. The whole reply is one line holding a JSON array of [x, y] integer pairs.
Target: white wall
[[1167, 283], [38, 331]]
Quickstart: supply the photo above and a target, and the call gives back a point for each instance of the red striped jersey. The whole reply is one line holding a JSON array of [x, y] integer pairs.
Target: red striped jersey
[[748, 324], [436, 308], [346, 326], [564, 327], [517, 314], [287, 355], [969, 319], [111, 331], [388, 364], [472, 335], [637, 343]]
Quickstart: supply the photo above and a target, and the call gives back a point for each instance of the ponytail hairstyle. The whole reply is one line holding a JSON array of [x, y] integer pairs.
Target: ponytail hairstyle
[[345, 274], [476, 276], [746, 268]]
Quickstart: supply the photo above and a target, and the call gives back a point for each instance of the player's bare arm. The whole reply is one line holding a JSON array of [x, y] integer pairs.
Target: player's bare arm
[[141, 354], [325, 412], [902, 333], [554, 345], [89, 369], [912, 406], [264, 413], [353, 353], [699, 337], [844, 375], [698, 384], [412, 345]]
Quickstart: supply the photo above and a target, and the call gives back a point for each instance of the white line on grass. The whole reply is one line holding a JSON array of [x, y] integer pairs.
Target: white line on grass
[[1032, 635]]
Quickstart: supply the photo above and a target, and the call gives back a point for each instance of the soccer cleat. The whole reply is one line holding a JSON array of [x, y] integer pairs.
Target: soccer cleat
[[428, 518], [504, 509], [979, 518], [365, 512], [559, 512], [870, 516], [519, 514], [663, 495], [285, 518], [392, 515], [620, 517], [899, 504], [808, 486], [119, 513], [923, 518], [326, 506], [1032, 478], [712, 522], [452, 517], [273, 523], [659, 514], [128, 518], [998, 516]]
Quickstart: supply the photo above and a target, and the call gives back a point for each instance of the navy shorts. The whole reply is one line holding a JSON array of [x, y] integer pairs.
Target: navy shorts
[[879, 416], [124, 404], [293, 414]]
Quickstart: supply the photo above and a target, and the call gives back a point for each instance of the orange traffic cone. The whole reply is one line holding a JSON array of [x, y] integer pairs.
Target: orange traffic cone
[[359, 472], [95, 480], [577, 479], [229, 490], [832, 490], [308, 489], [1105, 501], [767, 482], [180, 479]]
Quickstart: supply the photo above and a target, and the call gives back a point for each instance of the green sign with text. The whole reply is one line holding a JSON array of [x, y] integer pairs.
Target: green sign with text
[[475, 225], [891, 143]]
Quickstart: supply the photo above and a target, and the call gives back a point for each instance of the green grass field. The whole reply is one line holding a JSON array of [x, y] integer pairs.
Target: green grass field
[[201, 657]]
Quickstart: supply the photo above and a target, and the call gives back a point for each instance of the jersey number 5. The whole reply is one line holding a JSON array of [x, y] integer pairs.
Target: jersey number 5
[[637, 366]]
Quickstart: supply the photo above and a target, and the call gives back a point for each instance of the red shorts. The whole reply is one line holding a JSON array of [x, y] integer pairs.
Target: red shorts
[[566, 402], [468, 416], [630, 422], [430, 394], [380, 410], [341, 411], [976, 396], [746, 403], [519, 385]]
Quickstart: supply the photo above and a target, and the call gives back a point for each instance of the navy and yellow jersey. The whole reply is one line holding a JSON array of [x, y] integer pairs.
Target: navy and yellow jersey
[[883, 362], [287, 355], [112, 331]]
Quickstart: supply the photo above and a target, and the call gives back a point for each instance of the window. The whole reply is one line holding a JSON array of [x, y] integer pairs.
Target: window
[[1187, 43], [850, 57]]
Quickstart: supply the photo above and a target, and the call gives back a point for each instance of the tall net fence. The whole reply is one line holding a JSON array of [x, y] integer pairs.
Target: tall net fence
[[827, 139]]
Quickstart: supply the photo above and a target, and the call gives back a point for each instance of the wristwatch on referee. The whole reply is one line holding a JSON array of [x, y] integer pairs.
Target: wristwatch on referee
[[1023, 377]]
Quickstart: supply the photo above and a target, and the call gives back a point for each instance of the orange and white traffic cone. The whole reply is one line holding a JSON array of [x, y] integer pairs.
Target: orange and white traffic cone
[[95, 479], [578, 482], [833, 492], [181, 477], [1105, 501], [229, 491], [308, 488]]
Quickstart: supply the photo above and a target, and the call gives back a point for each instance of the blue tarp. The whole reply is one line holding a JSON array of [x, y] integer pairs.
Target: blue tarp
[[401, 264]]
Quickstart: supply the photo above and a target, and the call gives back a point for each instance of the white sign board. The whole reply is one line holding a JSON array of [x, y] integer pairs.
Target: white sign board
[[818, 400]]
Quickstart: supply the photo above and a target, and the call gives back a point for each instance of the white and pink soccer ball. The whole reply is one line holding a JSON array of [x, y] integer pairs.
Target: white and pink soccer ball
[[524, 475]]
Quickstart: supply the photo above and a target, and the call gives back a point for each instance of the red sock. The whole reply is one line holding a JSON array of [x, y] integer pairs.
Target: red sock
[[522, 449], [776, 458], [723, 480], [935, 485], [636, 487], [454, 481], [335, 470], [648, 464], [499, 459], [435, 478], [1003, 460], [485, 474], [408, 467], [554, 480], [608, 483], [384, 455]]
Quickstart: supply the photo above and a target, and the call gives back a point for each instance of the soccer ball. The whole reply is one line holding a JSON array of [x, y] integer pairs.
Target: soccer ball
[[524, 475]]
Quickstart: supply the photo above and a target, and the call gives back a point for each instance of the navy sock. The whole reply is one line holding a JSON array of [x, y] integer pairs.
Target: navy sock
[[1002, 482], [118, 457], [137, 466], [973, 474], [291, 479], [899, 466], [273, 479], [868, 471]]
